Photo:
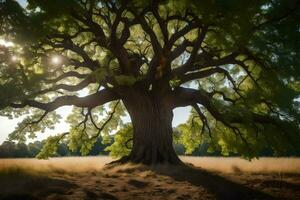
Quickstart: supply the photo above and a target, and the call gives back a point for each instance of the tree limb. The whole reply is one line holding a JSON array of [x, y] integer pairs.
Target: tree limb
[[90, 101], [187, 96]]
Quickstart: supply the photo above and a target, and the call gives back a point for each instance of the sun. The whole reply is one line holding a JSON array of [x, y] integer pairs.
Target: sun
[[14, 58], [56, 60], [6, 43]]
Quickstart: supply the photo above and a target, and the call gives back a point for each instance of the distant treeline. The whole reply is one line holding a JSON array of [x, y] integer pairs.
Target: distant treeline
[[9, 149]]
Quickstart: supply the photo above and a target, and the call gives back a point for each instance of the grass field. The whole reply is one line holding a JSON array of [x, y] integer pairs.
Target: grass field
[[206, 178]]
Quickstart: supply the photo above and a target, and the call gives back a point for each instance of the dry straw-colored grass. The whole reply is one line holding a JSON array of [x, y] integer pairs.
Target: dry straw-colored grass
[[261, 165], [219, 164], [60, 165]]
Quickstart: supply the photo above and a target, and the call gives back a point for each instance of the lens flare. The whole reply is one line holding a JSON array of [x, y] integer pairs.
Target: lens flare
[[14, 58], [56, 60]]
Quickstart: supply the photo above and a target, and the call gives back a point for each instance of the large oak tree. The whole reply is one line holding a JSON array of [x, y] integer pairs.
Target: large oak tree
[[236, 63]]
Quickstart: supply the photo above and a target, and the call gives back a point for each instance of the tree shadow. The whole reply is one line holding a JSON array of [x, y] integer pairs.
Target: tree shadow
[[91, 195], [217, 185], [280, 184], [22, 186]]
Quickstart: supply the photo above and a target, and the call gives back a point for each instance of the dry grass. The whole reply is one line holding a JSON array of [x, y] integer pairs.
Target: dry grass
[[88, 178], [232, 165], [68, 164], [218, 164]]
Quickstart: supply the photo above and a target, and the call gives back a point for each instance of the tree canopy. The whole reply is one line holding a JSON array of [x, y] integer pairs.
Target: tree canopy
[[236, 63]]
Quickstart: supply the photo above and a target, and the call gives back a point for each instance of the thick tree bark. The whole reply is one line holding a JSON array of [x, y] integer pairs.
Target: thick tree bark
[[152, 123]]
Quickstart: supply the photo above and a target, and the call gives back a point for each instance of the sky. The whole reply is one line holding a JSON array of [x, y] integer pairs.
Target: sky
[[22, 2]]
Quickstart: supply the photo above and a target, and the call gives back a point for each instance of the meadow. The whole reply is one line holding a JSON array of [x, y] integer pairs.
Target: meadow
[[204, 178]]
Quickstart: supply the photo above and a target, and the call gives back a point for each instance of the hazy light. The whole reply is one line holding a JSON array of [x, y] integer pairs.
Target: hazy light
[[14, 58], [56, 60], [6, 43]]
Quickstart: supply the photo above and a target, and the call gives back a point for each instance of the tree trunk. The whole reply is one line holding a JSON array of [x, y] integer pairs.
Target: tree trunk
[[152, 123]]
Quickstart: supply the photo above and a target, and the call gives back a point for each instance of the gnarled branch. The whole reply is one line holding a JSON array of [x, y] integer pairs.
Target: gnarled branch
[[90, 101]]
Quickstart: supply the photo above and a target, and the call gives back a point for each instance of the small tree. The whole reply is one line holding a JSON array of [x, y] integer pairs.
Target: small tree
[[236, 63]]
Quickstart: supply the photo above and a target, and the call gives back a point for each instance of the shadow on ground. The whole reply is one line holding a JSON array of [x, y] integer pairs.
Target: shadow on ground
[[221, 187], [127, 182], [23, 186], [216, 185]]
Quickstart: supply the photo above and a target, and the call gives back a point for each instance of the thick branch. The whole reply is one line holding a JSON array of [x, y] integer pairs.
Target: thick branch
[[187, 97], [204, 60], [95, 28], [66, 75], [90, 101], [182, 32], [69, 45], [70, 88], [162, 24], [206, 73], [154, 40]]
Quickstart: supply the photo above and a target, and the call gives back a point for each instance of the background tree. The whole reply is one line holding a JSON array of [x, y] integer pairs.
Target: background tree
[[9, 149], [235, 62]]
